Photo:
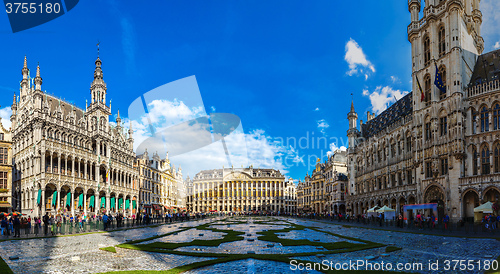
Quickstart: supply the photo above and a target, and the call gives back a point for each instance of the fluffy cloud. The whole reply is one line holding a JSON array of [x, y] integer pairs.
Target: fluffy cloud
[[322, 125], [491, 21], [334, 148], [5, 115], [183, 129], [382, 97], [316, 109], [356, 58], [394, 79]]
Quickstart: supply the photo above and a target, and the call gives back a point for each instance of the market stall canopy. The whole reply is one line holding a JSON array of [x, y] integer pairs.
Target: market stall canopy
[[385, 209], [485, 208], [373, 209]]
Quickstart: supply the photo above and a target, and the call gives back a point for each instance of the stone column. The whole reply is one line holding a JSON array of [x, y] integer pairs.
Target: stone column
[[108, 202], [85, 201], [42, 207], [59, 163], [72, 203], [58, 203]]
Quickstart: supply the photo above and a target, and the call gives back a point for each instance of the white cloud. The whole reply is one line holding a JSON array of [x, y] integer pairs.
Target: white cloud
[[316, 109], [5, 114], [382, 97], [356, 58], [334, 148], [255, 148], [212, 108], [491, 21], [394, 79], [322, 125]]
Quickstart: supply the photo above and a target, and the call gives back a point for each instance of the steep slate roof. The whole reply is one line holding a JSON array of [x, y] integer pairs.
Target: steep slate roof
[[487, 68], [394, 113]]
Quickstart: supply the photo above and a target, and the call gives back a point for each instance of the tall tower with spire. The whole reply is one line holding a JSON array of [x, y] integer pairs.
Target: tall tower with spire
[[98, 112], [352, 135]]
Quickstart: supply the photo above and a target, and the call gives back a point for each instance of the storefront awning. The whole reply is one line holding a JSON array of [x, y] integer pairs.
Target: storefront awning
[[5, 205], [156, 207]]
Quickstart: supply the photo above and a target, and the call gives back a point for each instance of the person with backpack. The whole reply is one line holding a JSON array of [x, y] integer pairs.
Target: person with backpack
[[105, 221], [46, 223], [17, 226]]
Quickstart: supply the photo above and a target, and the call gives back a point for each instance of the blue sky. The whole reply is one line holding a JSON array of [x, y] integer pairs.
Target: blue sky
[[286, 68]]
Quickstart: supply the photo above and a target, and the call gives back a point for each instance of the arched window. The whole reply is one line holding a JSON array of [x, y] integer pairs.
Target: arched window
[[427, 50], [496, 158], [442, 70], [427, 88], [496, 117], [474, 160], [443, 124], [442, 43], [474, 122], [485, 126], [485, 160]]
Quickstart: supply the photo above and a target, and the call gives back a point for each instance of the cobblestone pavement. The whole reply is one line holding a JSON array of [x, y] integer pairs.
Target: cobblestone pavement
[[417, 248], [81, 254]]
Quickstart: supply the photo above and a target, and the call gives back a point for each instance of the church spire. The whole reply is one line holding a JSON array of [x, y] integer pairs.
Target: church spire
[[98, 87], [352, 106], [118, 119], [38, 79], [130, 131]]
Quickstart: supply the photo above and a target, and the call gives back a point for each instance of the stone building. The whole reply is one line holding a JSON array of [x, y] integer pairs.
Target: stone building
[[159, 185], [324, 191], [440, 143], [6, 202], [70, 160], [238, 190]]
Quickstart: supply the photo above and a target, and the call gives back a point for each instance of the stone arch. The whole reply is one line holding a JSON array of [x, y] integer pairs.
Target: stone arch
[[470, 200], [491, 194]]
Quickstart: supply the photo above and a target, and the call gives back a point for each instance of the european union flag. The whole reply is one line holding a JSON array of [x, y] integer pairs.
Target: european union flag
[[439, 81]]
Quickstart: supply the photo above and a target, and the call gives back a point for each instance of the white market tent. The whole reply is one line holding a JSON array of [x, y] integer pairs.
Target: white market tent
[[389, 213], [482, 209], [372, 211], [385, 209], [485, 208]]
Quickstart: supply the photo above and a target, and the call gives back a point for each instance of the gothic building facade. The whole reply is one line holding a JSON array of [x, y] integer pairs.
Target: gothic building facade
[[440, 143], [6, 201], [67, 159]]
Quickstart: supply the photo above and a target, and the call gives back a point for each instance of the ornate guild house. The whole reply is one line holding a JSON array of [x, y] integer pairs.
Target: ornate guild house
[[241, 190], [440, 143], [70, 160]]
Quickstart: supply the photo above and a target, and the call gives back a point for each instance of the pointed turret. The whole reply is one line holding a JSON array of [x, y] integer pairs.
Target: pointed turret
[[119, 123], [14, 112], [38, 79], [25, 82], [98, 87], [14, 104], [130, 131]]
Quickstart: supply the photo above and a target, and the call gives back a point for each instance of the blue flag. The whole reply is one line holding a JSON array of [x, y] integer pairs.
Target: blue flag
[[439, 81]]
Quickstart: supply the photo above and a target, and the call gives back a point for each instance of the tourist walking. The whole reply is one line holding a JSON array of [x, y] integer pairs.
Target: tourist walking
[[17, 226], [46, 223]]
